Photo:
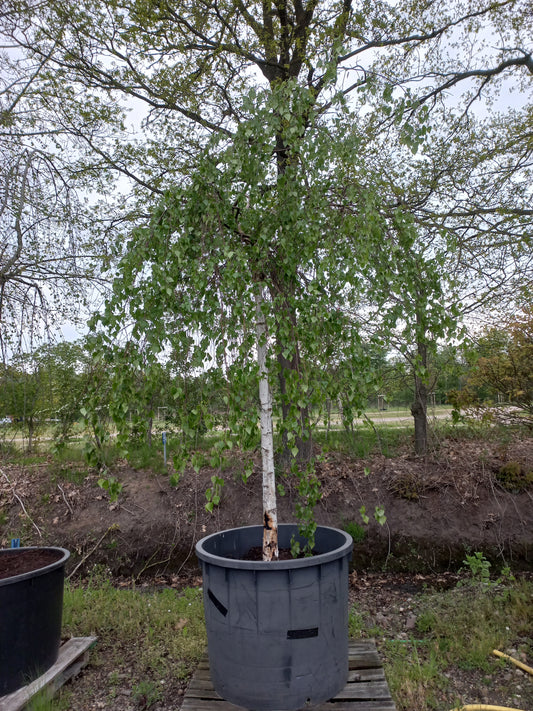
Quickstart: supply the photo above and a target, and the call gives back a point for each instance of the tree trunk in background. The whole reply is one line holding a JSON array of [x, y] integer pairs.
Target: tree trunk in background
[[31, 430], [149, 431], [304, 444], [270, 515], [282, 286], [419, 406]]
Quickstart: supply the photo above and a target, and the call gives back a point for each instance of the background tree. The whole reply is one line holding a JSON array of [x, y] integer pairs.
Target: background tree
[[505, 363], [465, 195], [48, 254], [46, 388], [67, 368], [24, 394]]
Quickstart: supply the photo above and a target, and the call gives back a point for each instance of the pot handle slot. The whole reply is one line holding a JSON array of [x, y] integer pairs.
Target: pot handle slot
[[302, 634], [216, 602]]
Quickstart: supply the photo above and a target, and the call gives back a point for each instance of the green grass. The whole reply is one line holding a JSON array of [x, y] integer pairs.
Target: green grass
[[165, 628], [38, 455], [142, 456], [364, 440], [66, 472], [69, 453], [457, 630], [43, 701], [468, 623], [356, 531], [414, 674], [144, 636], [8, 449], [473, 429]]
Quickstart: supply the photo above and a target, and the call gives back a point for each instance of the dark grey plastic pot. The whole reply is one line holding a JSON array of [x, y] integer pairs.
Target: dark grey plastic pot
[[31, 606], [277, 632]]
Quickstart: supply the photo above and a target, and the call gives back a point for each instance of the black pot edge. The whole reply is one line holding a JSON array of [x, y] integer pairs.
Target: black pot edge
[[236, 563], [38, 571]]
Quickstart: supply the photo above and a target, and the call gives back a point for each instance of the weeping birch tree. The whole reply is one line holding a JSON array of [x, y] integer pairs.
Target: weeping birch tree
[[258, 262]]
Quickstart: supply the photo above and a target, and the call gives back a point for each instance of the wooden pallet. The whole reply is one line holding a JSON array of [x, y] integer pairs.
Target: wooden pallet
[[73, 656], [366, 690]]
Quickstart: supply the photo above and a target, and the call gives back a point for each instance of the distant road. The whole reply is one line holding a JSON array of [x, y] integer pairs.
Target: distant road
[[402, 417]]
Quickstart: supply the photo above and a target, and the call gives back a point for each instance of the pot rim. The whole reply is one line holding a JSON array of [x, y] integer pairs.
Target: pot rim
[[60, 562], [344, 548]]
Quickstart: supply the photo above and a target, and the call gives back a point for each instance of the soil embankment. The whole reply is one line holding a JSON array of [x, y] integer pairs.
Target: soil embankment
[[437, 509]]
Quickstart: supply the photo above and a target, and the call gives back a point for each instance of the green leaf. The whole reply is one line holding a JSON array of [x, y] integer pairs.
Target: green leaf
[[364, 515], [379, 515]]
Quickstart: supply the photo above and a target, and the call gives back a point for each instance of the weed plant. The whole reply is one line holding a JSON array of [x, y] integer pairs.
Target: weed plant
[[478, 430], [356, 624], [356, 531], [469, 622], [414, 674], [8, 449], [514, 477], [35, 456], [198, 443], [146, 694], [73, 474]]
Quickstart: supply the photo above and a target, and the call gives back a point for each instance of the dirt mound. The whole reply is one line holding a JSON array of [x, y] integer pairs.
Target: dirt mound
[[437, 508]]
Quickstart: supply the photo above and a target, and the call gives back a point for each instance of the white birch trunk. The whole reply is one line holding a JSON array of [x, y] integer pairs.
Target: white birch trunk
[[270, 514]]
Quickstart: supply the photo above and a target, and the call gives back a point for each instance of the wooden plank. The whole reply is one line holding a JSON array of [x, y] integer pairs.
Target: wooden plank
[[363, 656], [201, 692], [369, 690], [202, 675], [366, 689], [366, 675], [221, 705], [73, 656], [361, 645], [202, 687]]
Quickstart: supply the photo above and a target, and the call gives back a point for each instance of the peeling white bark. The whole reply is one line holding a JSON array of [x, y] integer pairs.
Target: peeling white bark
[[270, 515]]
